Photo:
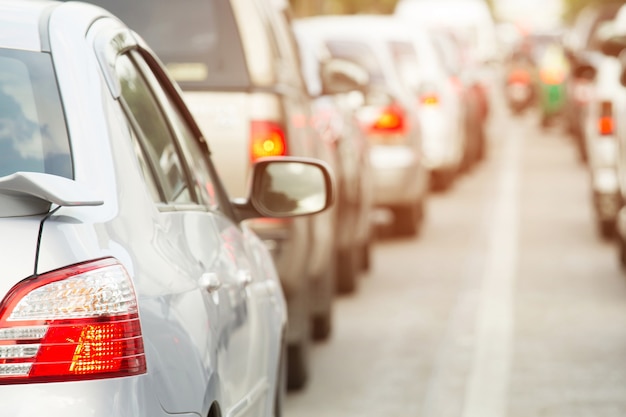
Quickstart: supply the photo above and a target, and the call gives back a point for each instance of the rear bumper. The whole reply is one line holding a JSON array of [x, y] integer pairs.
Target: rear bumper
[[399, 177]]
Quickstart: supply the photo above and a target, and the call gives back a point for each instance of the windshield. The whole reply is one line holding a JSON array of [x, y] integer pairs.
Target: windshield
[[33, 135]]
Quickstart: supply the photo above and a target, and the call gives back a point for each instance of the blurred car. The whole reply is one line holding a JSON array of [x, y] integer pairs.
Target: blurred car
[[582, 48], [600, 142], [237, 63], [472, 97], [389, 116], [470, 19], [441, 109], [336, 88], [612, 43], [520, 78], [130, 283], [472, 24]]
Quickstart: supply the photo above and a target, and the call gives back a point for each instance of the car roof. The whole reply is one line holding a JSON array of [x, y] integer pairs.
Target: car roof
[[25, 23], [357, 26]]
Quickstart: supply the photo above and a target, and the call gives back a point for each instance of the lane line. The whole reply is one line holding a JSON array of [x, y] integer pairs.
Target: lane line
[[488, 383]]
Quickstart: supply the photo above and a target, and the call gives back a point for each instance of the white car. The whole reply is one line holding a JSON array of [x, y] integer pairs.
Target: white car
[[389, 117], [130, 284], [441, 109]]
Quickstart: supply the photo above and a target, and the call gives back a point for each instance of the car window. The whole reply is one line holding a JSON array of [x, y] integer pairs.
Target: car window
[[33, 134], [155, 134], [406, 62], [360, 53], [196, 154], [197, 40]]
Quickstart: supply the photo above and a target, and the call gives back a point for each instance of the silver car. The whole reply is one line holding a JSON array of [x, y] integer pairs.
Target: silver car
[[129, 285], [237, 64]]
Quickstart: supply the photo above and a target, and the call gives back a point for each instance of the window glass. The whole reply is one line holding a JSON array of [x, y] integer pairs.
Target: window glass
[[160, 146], [196, 154], [197, 40], [360, 53], [33, 134], [405, 62], [144, 165]]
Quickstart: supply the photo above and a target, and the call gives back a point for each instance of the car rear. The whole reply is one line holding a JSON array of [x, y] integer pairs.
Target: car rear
[[388, 118], [70, 332]]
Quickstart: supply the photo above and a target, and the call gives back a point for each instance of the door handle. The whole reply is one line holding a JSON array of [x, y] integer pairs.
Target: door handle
[[210, 281]]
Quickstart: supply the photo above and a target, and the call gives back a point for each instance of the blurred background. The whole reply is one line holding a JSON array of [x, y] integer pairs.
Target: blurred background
[[535, 13]]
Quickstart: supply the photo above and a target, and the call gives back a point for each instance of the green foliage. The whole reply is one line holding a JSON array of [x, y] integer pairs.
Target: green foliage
[[572, 7], [303, 8]]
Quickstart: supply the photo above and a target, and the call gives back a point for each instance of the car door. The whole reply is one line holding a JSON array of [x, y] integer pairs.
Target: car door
[[212, 307], [249, 330]]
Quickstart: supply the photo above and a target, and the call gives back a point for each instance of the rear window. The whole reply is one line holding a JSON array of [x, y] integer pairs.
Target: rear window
[[360, 53], [197, 40], [33, 134]]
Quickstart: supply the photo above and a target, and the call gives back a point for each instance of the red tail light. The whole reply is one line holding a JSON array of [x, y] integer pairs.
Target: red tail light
[[75, 323], [391, 120], [266, 139], [552, 76], [519, 76], [605, 122]]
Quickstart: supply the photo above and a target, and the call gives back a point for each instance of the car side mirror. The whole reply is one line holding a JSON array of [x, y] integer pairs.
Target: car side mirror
[[340, 76], [288, 187]]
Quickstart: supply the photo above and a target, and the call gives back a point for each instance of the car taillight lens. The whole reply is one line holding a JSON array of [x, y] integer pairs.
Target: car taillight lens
[[429, 99], [605, 121], [390, 120], [75, 323], [266, 139], [552, 76]]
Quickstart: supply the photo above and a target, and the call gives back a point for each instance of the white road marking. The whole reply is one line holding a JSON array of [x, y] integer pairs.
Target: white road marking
[[487, 387]]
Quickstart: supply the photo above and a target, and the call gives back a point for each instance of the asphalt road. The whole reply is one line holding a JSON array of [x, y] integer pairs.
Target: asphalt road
[[508, 303]]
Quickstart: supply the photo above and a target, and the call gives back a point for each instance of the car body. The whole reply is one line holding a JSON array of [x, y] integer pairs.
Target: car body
[[237, 64], [441, 109], [583, 48], [389, 116], [336, 89], [473, 27], [459, 69], [470, 19], [600, 141], [131, 285]]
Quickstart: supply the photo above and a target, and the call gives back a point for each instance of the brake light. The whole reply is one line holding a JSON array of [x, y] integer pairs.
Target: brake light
[[266, 139], [520, 76], [391, 120], [430, 99], [75, 323], [605, 121]]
